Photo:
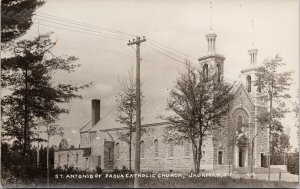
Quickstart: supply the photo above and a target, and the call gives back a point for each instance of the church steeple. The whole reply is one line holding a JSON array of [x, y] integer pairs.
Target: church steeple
[[253, 51], [211, 36], [212, 62]]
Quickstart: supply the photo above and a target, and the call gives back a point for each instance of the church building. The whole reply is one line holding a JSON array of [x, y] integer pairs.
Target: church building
[[100, 147]]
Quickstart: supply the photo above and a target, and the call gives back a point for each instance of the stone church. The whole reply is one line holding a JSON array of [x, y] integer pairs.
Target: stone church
[[100, 147]]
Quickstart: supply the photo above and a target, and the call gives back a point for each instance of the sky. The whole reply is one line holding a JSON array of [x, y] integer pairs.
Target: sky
[[179, 24]]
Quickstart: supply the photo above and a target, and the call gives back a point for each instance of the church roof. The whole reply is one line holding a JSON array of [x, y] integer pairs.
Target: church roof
[[86, 127], [212, 55]]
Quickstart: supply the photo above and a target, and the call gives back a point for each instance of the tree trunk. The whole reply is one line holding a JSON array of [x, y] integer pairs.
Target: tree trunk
[[25, 144], [252, 153], [48, 157], [270, 126], [130, 140]]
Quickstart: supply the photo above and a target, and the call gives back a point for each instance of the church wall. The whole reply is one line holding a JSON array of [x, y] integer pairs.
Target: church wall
[[83, 163], [84, 140], [262, 144], [223, 137], [161, 163]]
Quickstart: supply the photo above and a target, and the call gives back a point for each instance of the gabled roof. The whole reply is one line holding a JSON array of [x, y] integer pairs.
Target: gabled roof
[[86, 127], [241, 85]]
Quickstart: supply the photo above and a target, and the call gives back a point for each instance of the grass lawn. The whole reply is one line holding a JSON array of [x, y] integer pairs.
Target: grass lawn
[[179, 182], [208, 182]]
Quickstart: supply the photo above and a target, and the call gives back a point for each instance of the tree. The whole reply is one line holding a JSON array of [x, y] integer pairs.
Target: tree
[[198, 102], [274, 85], [32, 96], [64, 144], [52, 130], [126, 110], [16, 18], [296, 112]]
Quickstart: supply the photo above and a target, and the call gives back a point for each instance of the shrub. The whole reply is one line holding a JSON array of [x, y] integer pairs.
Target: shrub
[[99, 170]]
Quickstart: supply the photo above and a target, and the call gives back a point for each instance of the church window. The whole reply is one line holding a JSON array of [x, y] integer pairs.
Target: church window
[[99, 161], [171, 148], [118, 150], [259, 85], [109, 153], [219, 72], [68, 159], [248, 78], [77, 157], [187, 149], [220, 157], [156, 148], [58, 159], [205, 71], [203, 154], [240, 124], [142, 149], [86, 162]]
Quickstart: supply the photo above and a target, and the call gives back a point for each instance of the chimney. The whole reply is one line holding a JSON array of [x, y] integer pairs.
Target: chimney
[[95, 111]]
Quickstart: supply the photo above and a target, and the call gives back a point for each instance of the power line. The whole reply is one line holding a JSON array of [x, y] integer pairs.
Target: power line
[[166, 50], [82, 28], [122, 39], [49, 16], [165, 46], [162, 53]]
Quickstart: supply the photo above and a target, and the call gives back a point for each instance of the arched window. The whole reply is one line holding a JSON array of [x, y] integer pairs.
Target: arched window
[[142, 149], [171, 148], [259, 85], [156, 148], [219, 72], [240, 124], [187, 148], [205, 70], [248, 78], [118, 150], [68, 159], [77, 158]]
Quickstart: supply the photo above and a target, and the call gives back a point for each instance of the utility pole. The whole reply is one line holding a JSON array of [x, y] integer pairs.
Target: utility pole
[[137, 42]]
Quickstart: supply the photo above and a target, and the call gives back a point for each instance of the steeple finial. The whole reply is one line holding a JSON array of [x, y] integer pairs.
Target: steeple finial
[[211, 20], [252, 32]]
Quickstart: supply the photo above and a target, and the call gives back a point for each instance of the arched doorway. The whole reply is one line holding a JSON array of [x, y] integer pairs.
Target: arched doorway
[[241, 149]]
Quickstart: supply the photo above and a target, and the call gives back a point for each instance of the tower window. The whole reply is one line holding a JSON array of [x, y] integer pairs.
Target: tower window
[[248, 78], [205, 71], [259, 85]]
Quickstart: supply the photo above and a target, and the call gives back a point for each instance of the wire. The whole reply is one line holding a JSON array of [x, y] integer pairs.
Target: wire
[[82, 32], [170, 48], [81, 28], [166, 50], [160, 52]]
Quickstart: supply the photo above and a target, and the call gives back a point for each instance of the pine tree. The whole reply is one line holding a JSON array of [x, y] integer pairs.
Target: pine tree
[[32, 95]]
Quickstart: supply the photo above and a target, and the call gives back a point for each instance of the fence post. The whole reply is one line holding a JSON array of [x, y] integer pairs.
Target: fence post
[[280, 176]]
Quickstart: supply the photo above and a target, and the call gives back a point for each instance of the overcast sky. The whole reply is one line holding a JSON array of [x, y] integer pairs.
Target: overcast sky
[[179, 24]]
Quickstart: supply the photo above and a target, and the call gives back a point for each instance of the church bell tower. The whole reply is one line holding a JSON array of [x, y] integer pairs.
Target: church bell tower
[[212, 62]]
